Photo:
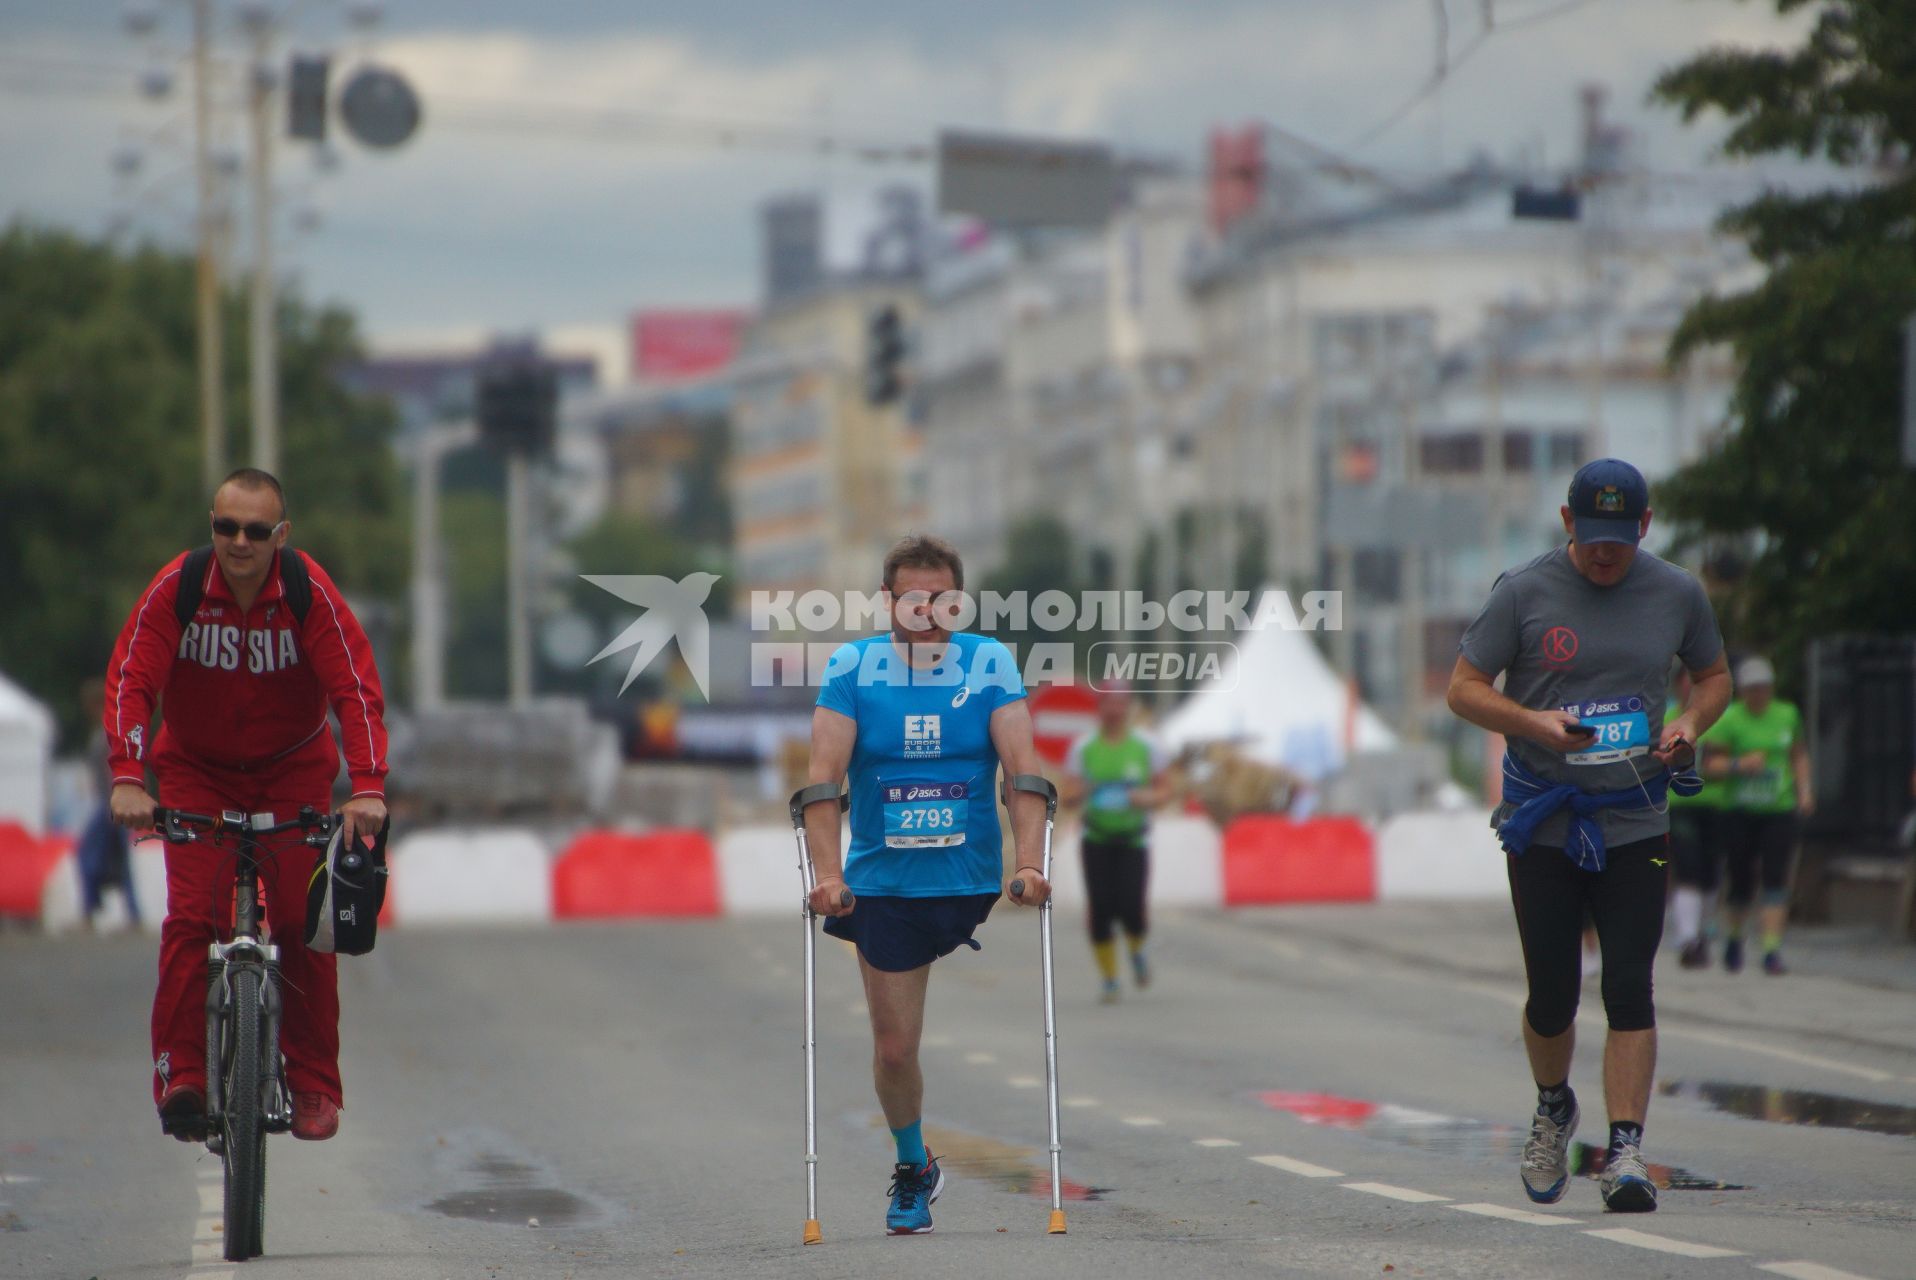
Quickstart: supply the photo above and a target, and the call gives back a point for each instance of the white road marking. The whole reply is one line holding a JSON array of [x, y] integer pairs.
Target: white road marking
[[936, 1042], [981, 1059], [1663, 1244], [1787, 1055], [212, 1200], [15, 1179], [1216, 1142], [1301, 1168], [1386, 1190], [1288, 950], [1024, 1082], [1807, 1271], [1080, 1102], [1143, 1122], [1518, 1215]]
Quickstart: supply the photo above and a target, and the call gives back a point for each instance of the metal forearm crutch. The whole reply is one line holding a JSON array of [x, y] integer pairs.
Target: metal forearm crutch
[[1040, 786], [804, 797]]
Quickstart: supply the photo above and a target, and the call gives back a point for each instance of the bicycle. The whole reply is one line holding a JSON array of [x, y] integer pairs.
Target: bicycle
[[246, 1092]]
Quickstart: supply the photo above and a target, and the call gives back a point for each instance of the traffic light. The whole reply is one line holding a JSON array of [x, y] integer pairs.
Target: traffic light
[[885, 356], [517, 407], [306, 97]]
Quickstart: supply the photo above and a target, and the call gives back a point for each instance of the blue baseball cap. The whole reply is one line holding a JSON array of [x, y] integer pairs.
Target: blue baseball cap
[[1607, 500]]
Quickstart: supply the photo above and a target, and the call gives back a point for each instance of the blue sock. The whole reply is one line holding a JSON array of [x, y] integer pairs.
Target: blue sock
[[911, 1145]]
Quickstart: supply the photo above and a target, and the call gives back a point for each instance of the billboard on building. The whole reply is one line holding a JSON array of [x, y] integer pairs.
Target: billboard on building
[[670, 345]]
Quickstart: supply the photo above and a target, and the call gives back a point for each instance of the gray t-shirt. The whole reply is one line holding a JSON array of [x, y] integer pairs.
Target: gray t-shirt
[[1601, 652]]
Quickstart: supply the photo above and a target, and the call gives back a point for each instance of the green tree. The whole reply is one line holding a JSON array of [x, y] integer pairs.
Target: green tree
[[99, 448], [1809, 473]]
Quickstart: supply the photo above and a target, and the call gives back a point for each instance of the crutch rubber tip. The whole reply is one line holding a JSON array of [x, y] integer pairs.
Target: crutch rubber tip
[[814, 1236], [1057, 1223]]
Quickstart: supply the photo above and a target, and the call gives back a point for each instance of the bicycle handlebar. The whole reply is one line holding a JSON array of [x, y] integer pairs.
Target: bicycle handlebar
[[177, 826]]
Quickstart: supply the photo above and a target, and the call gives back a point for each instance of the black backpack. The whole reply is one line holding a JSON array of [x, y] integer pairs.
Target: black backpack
[[292, 568]]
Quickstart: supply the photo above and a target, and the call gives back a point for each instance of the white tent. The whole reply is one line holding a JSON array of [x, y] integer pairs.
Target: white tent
[[1281, 704], [26, 751]]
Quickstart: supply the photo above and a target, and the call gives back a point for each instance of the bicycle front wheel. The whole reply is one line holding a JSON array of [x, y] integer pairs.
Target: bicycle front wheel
[[244, 1121]]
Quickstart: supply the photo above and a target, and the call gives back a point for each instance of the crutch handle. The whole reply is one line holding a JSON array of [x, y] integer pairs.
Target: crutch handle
[[1017, 888], [845, 898]]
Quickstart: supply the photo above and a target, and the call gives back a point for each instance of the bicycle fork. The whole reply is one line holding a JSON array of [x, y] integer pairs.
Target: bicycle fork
[[222, 958]]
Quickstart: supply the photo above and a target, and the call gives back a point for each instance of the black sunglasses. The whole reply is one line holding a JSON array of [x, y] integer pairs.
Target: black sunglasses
[[227, 527]]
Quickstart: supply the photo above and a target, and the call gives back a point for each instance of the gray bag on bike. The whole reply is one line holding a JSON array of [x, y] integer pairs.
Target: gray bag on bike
[[345, 894]]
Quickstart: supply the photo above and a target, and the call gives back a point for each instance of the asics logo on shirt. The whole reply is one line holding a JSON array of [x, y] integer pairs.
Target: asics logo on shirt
[[962, 695]]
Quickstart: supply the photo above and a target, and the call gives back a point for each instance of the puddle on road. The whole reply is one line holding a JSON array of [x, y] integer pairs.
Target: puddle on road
[[1019, 1170], [1795, 1106], [1458, 1136], [508, 1191]]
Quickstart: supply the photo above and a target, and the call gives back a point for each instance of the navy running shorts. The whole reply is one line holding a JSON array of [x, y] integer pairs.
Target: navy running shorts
[[899, 934]]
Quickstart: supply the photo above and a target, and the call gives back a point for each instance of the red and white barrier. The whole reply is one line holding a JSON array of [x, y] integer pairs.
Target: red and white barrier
[[460, 877], [511, 876]]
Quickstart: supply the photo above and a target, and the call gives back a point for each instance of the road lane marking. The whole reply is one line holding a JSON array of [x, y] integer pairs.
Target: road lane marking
[[212, 1199], [1143, 1122], [1216, 1142], [1807, 1271], [1663, 1244], [1787, 1055], [981, 1059], [1386, 1190], [1518, 1215], [1301, 1168], [936, 1042], [1024, 1082], [1080, 1102]]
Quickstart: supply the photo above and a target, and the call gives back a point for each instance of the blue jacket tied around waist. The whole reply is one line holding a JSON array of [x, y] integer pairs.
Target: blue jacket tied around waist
[[1537, 799]]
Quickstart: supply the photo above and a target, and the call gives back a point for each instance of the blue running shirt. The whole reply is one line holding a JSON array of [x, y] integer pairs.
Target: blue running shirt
[[923, 773]]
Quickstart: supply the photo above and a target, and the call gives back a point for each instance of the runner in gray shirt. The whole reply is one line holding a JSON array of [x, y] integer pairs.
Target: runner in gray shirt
[[1584, 636]]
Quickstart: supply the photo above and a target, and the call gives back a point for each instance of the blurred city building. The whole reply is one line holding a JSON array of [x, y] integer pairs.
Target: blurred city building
[[822, 478]]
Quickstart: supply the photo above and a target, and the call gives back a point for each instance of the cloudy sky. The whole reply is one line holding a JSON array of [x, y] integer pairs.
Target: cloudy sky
[[583, 159]]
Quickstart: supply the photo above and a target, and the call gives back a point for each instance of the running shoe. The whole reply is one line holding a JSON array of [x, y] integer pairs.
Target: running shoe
[[1140, 969], [1108, 993], [1773, 964], [913, 1192], [1695, 954], [1733, 955], [1546, 1157], [1626, 1181]]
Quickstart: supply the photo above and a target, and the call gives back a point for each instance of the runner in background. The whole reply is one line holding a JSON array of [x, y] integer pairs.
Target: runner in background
[[1117, 775], [1759, 753]]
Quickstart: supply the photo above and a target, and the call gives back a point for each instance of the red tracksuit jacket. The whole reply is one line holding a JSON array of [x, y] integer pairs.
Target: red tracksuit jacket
[[243, 691]]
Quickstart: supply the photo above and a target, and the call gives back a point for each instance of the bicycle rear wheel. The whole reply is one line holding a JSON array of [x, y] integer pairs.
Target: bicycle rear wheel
[[244, 1122]]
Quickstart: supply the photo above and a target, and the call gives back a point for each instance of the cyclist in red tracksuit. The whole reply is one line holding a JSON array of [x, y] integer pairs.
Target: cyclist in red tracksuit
[[246, 687]]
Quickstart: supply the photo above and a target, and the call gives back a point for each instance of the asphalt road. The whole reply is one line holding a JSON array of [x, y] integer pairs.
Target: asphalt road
[[1332, 1092]]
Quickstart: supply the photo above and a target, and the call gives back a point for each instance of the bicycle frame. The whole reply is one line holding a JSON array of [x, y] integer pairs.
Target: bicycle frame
[[246, 949]]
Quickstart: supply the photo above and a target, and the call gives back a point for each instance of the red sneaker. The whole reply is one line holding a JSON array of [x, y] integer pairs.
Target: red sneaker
[[315, 1117]]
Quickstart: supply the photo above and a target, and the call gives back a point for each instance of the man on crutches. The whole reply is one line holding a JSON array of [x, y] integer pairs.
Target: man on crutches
[[918, 720]]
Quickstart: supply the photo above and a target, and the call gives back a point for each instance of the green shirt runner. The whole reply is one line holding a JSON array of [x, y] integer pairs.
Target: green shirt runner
[[1111, 770], [1772, 789]]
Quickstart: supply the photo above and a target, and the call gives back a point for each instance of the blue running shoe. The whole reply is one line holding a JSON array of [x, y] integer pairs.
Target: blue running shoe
[[913, 1192], [1140, 969], [1545, 1167]]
